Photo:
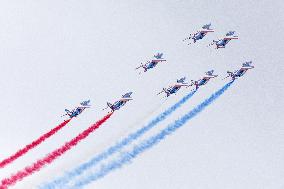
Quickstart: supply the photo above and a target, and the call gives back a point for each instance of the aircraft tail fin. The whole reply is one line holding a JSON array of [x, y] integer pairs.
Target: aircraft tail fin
[[230, 33], [127, 95], [86, 103], [206, 26], [181, 80], [158, 55], [248, 64], [210, 72]]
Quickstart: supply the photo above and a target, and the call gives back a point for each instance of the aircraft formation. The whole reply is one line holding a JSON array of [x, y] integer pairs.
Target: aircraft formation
[[169, 91], [174, 88]]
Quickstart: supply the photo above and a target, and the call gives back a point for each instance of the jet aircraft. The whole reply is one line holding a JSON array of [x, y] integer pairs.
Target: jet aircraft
[[153, 63], [175, 88], [221, 43], [200, 34], [121, 102], [239, 73], [78, 110]]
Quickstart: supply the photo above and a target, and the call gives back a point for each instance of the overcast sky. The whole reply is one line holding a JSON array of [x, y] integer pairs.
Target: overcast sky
[[54, 54]]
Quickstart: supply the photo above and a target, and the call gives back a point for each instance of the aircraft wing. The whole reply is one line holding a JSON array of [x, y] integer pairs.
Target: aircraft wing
[[125, 99], [157, 61], [206, 31], [180, 85], [230, 38]]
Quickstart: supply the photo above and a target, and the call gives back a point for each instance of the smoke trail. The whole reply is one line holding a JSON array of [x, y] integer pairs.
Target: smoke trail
[[49, 158], [32, 145], [113, 149], [146, 144]]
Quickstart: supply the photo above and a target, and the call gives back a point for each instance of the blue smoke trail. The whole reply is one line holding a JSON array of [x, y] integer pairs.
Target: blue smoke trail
[[146, 144], [61, 181]]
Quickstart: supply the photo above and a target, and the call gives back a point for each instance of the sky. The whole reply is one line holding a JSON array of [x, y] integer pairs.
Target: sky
[[55, 54]]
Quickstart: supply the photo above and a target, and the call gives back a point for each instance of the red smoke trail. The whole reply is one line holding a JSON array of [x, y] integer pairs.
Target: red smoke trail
[[49, 158], [32, 145]]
